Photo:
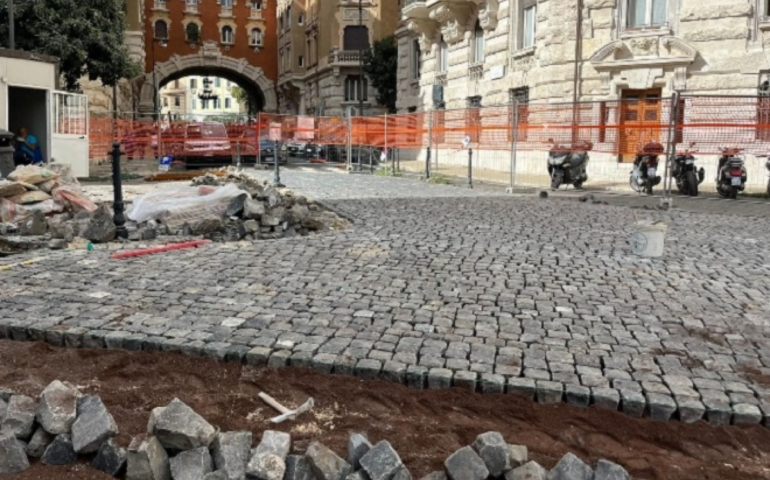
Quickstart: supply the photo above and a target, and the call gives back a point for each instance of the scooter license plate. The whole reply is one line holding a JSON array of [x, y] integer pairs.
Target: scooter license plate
[[689, 162], [651, 172], [736, 181]]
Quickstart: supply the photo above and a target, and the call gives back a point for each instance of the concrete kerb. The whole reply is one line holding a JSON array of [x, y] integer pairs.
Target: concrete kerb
[[652, 406]]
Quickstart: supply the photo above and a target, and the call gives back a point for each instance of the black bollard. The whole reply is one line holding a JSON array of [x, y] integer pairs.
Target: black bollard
[[470, 168], [119, 217], [277, 171]]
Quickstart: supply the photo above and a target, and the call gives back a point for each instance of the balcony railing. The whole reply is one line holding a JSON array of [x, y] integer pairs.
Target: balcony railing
[[226, 11], [256, 14], [415, 9], [191, 8], [339, 56], [160, 5]]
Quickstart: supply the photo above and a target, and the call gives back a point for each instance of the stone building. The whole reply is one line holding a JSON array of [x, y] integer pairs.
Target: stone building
[[319, 53], [489, 51], [185, 99], [470, 53]]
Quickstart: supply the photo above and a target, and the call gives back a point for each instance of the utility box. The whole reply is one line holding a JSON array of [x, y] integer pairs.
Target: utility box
[[6, 153]]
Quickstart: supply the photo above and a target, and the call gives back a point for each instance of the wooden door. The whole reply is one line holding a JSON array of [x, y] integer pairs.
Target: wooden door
[[640, 121]]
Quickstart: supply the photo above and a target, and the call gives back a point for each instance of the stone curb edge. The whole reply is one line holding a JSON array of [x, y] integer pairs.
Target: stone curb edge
[[636, 404]]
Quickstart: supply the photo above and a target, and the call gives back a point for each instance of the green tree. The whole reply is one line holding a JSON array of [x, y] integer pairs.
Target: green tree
[[381, 66], [86, 36], [243, 96]]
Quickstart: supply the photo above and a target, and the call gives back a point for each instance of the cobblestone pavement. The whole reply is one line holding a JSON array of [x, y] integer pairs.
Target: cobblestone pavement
[[438, 286]]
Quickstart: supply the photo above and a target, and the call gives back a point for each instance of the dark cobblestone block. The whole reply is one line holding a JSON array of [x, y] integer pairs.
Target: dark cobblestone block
[[607, 398], [521, 386], [439, 378], [345, 365], [394, 372], [633, 403], [465, 380], [577, 395], [661, 407], [368, 369], [492, 383], [279, 359], [258, 356], [416, 376], [549, 392]]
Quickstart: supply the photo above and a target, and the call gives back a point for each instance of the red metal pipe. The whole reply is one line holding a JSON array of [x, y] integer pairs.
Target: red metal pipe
[[160, 249]]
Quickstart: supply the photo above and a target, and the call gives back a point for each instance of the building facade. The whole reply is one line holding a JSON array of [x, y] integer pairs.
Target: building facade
[[181, 99], [230, 39], [319, 54], [481, 53], [490, 51]]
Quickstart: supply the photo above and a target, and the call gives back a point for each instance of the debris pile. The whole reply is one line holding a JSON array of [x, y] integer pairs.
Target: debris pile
[[46, 207], [180, 444], [228, 205]]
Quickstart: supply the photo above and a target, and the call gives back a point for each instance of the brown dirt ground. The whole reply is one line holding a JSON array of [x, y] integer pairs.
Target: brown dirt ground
[[424, 426]]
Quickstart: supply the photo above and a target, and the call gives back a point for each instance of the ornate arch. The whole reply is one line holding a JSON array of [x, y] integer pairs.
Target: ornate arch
[[208, 58]]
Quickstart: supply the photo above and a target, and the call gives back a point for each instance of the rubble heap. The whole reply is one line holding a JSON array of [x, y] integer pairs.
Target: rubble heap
[[46, 207], [181, 445]]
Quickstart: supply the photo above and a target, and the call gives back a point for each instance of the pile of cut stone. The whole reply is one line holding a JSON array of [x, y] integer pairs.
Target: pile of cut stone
[[182, 445], [56, 428]]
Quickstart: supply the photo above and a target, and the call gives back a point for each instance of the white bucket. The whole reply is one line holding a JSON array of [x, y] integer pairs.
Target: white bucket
[[648, 239]]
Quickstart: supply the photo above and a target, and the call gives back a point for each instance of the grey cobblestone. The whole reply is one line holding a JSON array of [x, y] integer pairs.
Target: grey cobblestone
[[466, 285]]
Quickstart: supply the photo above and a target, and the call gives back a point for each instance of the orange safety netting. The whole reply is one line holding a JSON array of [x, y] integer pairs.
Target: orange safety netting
[[618, 127]]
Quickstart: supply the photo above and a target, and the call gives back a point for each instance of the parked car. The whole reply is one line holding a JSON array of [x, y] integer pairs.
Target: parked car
[[296, 148], [267, 152], [205, 144]]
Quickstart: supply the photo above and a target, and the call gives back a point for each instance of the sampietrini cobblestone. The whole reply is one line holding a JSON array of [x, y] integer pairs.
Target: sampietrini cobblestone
[[492, 294]]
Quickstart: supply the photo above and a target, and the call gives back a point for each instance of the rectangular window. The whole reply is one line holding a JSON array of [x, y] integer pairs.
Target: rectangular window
[[301, 19], [204, 104], [165, 101], [478, 45], [193, 83], [194, 104], [647, 13], [529, 25], [353, 90], [216, 104], [217, 82], [228, 102], [443, 53], [473, 118], [521, 96], [226, 3], [301, 61], [416, 60], [177, 102]]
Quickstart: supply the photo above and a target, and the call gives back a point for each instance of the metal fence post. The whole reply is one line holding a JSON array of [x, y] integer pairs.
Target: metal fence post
[[514, 140], [259, 140], [430, 144], [350, 143], [670, 144], [470, 168]]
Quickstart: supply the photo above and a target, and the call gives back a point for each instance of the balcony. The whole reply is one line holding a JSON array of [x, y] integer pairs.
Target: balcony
[[191, 8], [226, 12], [417, 9], [343, 58], [256, 14], [160, 5]]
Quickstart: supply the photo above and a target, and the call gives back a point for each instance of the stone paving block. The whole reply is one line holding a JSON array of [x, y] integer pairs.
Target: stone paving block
[[633, 403], [439, 378], [368, 369], [345, 365], [492, 383], [324, 362], [394, 372], [606, 470], [577, 395], [549, 392], [465, 464], [416, 376], [661, 407], [745, 414], [528, 471], [607, 398], [279, 359], [521, 386], [465, 380], [690, 409]]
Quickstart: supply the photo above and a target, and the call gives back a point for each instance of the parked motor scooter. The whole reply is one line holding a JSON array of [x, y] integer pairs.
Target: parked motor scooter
[[644, 175], [731, 173], [685, 173], [568, 163]]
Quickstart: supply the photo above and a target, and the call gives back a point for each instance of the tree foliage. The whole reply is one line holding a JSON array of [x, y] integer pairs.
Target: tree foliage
[[381, 66], [86, 36], [241, 95]]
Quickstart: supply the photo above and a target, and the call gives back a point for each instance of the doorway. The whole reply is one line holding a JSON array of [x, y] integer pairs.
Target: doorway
[[640, 119], [28, 107]]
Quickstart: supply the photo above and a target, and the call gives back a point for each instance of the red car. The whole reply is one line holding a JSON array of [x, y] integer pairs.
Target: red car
[[205, 144]]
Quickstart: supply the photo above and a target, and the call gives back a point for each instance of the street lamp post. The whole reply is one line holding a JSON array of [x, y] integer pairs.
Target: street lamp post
[[361, 61], [156, 89]]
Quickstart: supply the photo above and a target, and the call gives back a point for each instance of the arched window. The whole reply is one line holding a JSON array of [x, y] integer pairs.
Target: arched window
[[227, 35], [256, 37], [161, 29], [193, 32], [353, 88], [478, 44]]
